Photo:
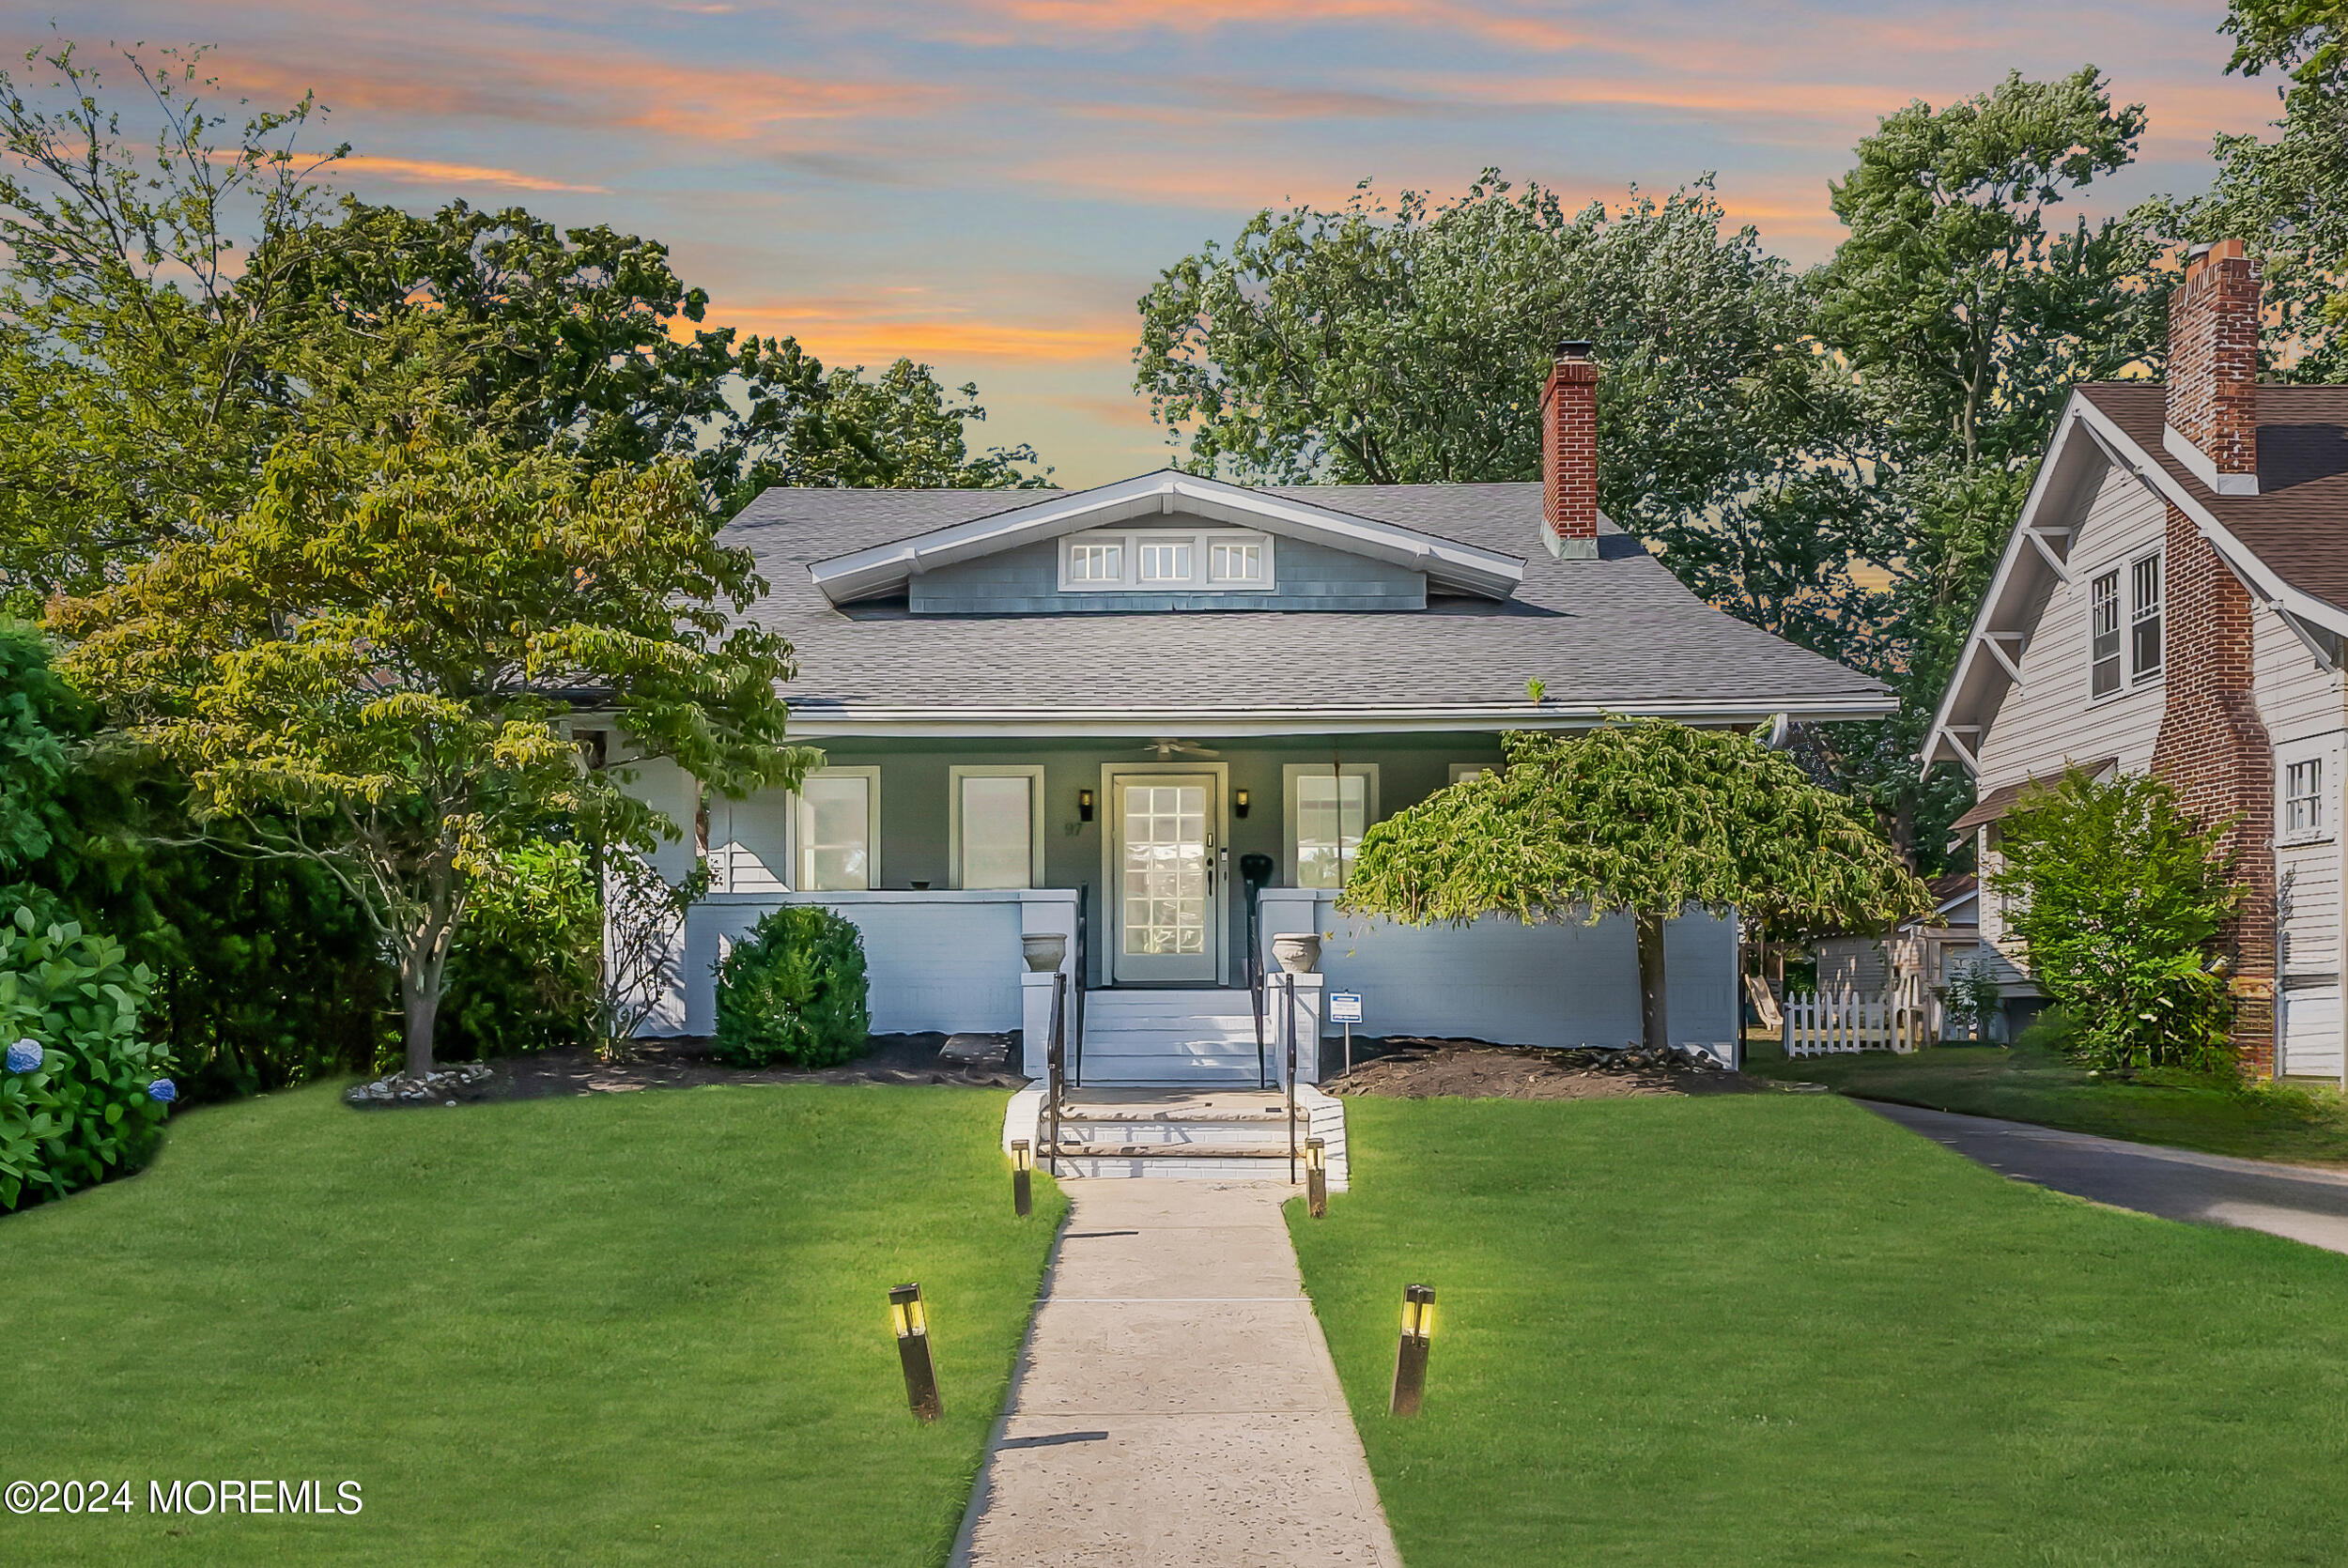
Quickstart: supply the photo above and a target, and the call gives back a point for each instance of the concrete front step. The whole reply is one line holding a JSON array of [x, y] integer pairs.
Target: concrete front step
[[1235, 1133]]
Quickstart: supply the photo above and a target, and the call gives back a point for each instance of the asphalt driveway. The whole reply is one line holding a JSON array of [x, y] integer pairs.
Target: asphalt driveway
[[2297, 1201]]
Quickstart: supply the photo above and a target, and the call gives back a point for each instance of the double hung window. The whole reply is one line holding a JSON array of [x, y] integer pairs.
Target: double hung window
[[1328, 808], [840, 830]]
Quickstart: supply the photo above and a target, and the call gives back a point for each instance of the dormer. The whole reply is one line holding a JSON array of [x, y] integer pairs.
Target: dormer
[[1167, 540]]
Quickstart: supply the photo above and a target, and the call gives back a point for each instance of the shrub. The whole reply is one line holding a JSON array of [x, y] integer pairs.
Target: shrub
[[793, 991], [1972, 1001], [2119, 897], [523, 972], [82, 1097]]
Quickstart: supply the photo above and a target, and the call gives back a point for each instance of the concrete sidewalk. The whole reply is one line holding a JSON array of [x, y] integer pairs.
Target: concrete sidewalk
[[1175, 1403], [2297, 1201]]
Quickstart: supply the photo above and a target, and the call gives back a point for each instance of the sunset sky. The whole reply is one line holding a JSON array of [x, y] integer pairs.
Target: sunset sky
[[989, 186]]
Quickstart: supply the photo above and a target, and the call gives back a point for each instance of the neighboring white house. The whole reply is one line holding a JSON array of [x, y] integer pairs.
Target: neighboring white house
[[1918, 958], [2174, 599], [1138, 715]]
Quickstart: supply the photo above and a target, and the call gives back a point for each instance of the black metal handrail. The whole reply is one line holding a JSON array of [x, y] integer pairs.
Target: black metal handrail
[[1288, 1036], [1081, 968], [1056, 1065], [1256, 985]]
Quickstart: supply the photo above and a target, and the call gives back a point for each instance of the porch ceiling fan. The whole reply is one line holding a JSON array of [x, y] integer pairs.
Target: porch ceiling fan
[[1165, 749]]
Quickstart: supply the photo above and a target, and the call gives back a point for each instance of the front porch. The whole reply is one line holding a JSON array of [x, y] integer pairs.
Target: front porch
[[1161, 866]]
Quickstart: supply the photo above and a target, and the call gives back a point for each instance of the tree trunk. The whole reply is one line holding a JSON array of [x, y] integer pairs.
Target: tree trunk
[[1654, 1026], [420, 1001]]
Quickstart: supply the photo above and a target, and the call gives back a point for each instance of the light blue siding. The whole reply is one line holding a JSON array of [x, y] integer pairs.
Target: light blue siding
[[1026, 581]]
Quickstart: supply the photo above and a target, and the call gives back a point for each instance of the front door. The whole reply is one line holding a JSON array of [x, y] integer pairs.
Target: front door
[[1166, 907]]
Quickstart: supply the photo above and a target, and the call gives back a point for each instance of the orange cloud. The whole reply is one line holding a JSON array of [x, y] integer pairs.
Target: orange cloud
[[426, 171], [852, 330], [576, 89]]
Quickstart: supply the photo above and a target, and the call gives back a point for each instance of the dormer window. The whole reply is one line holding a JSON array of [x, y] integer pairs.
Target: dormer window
[[1235, 561], [1096, 562], [1167, 561]]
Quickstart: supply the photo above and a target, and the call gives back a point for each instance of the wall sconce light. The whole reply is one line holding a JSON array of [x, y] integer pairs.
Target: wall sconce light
[[1084, 806], [1409, 1357], [1315, 1178], [1238, 803], [1022, 1185], [912, 1326]]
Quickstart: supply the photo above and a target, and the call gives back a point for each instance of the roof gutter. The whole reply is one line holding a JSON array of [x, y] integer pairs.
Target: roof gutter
[[818, 720]]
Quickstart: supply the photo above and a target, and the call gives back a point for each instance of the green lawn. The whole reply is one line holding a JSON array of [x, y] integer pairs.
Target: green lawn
[[2032, 1084], [1774, 1330], [645, 1328]]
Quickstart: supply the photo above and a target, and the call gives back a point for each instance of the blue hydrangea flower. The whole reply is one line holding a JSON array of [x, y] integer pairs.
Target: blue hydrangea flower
[[162, 1089], [23, 1056]]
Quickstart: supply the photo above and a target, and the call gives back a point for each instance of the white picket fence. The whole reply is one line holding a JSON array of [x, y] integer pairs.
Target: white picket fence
[[1835, 1023]]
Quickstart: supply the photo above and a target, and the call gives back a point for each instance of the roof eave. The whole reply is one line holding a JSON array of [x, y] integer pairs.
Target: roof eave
[[818, 720]]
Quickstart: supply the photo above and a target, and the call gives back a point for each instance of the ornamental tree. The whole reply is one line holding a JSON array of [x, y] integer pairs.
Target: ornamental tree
[[373, 666], [1648, 817]]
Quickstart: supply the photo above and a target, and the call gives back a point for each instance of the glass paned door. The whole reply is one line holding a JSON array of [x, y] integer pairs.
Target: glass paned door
[[1166, 900]]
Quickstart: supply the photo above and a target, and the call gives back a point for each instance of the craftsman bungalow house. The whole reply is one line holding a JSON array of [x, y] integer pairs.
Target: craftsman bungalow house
[[2174, 599], [1133, 714]]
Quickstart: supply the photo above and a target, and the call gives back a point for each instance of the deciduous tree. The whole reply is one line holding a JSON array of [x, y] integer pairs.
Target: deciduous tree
[[1407, 343], [371, 667]]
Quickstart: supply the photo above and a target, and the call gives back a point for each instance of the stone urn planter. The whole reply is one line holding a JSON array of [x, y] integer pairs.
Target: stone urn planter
[[1045, 950], [1297, 952]]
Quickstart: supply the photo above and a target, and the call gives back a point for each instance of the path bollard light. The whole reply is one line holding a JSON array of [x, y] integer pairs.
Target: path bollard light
[[1409, 1357], [912, 1324], [1315, 1178], [1022, 1184]]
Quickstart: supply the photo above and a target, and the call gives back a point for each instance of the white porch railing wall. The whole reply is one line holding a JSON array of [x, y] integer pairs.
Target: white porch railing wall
[[1553, 984], [936, 959]]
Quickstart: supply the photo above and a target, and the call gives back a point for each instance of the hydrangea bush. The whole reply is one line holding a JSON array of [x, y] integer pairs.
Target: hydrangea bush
[[83, 1096]]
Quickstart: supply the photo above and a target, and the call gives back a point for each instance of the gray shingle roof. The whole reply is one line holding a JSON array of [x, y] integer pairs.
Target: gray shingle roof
[[2295, 522], [1618, 633]]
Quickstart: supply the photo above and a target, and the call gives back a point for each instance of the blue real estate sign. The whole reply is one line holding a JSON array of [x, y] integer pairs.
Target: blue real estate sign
[[1344, 1007]]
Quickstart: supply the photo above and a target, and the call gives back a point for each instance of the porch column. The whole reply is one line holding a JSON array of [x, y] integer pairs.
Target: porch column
[[1045, 910], [1306, 1018]]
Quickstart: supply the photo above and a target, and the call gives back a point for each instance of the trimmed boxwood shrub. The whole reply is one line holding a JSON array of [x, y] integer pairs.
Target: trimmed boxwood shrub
[[794, 991]]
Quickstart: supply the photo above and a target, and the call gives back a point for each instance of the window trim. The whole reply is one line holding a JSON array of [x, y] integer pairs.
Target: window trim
[[1290, 773], [1201, 542], [2121, 568], [1033, 774], [2119, 656], [1469, 770], [2138, 674], [803, 832], [2323, 755]]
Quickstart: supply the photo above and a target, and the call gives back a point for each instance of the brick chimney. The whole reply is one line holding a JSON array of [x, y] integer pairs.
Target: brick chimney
[[1570, 454], [2213, 409], [2213, 744]]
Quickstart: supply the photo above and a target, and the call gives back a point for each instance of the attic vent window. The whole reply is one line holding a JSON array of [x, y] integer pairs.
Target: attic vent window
[[1167, 560]]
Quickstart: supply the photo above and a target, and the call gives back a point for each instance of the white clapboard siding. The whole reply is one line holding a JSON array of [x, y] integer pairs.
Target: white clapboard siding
[[1838, 1023], [2312, 1032], [2049, 718]]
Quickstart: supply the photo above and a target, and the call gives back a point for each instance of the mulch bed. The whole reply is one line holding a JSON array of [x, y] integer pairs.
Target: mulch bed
[[1419, 1069], [685, 1062]]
